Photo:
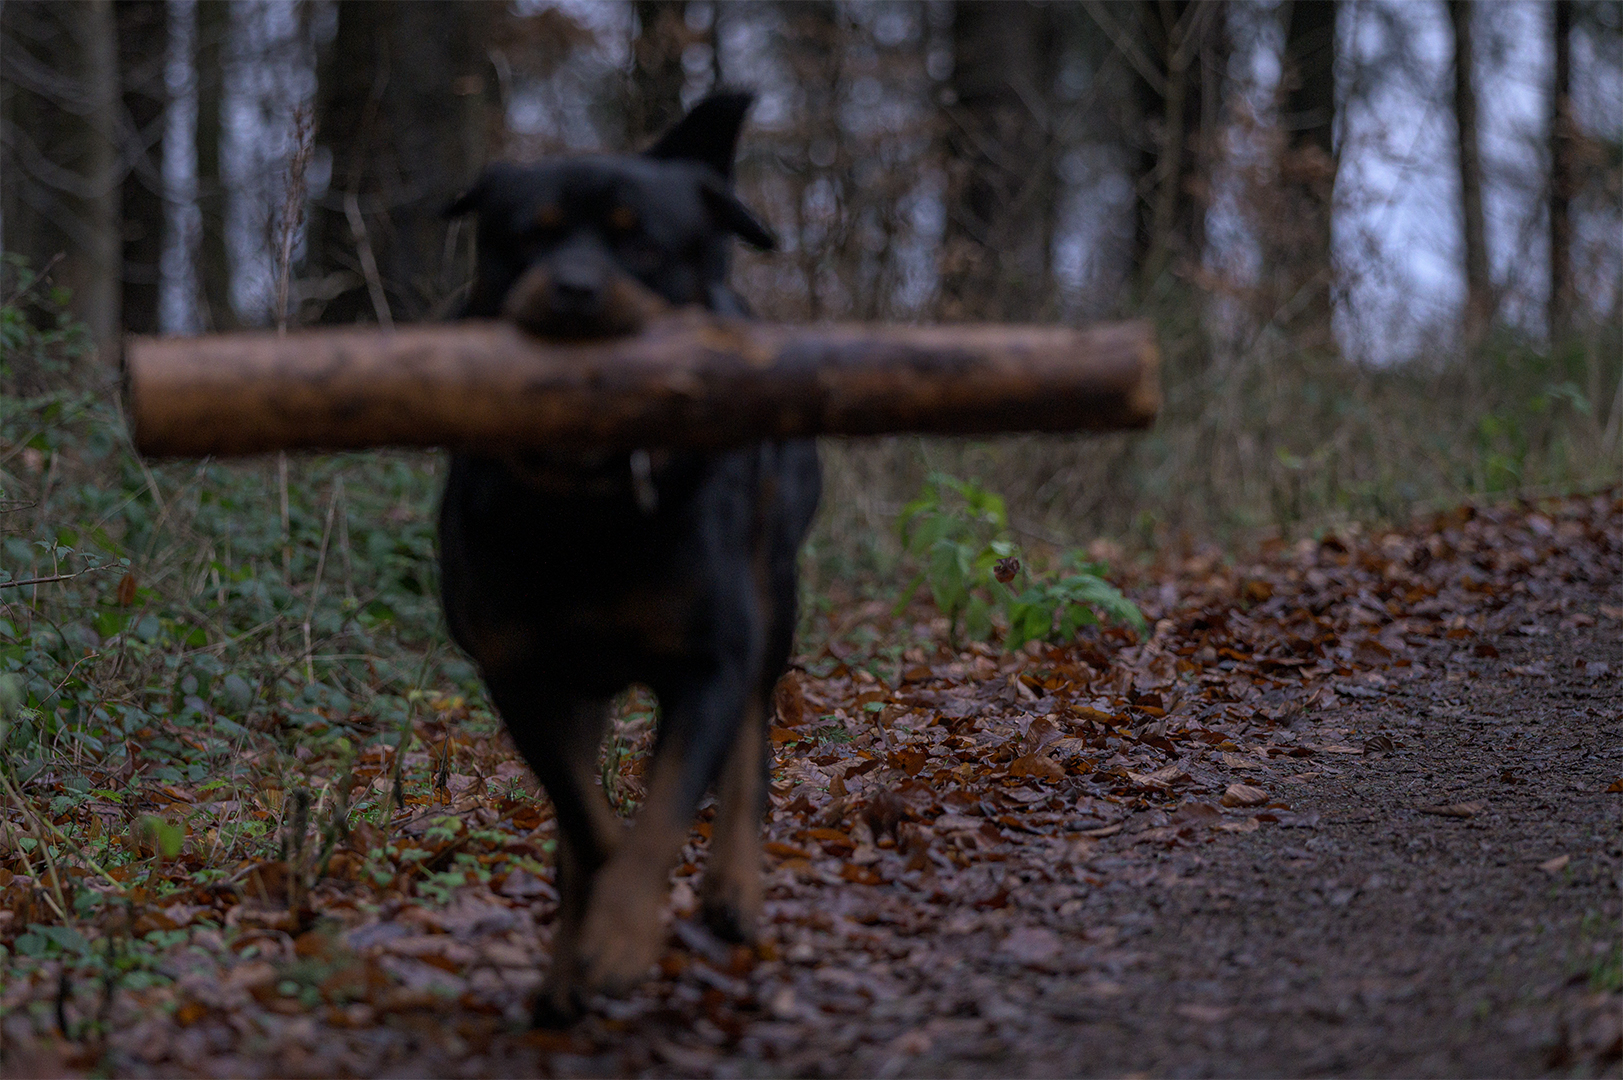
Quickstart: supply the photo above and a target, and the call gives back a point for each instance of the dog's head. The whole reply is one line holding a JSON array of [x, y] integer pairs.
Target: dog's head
[[589, 246]]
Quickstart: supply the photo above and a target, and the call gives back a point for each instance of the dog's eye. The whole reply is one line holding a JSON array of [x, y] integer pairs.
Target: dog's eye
[[548, 216], [622, 219]]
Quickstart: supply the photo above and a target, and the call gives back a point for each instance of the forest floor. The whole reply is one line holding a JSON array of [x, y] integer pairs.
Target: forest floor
[[1353, 808]]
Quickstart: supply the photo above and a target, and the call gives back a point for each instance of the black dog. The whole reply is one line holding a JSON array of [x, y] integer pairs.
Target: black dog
[[568, 576]]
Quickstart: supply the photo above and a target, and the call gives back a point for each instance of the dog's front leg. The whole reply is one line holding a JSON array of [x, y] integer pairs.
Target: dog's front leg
[[559, 1001], [623, 930], [560, 737], [730, 898]]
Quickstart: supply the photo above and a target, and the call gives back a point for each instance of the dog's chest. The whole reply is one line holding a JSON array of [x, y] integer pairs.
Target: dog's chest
[[569, 563]]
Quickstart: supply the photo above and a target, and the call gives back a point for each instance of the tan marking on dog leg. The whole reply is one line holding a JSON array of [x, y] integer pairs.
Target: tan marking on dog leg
[[560, 999], [623, 930], [608, 828], [558, 1003], [731, 893], [580, 752]]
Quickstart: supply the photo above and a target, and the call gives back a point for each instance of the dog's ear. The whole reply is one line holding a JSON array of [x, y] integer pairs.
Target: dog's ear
[[467, 202], [474, 198], [735, 217], [708, 134]]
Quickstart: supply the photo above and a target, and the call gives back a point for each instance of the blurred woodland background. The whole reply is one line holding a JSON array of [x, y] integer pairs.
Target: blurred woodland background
[[1382, 240]]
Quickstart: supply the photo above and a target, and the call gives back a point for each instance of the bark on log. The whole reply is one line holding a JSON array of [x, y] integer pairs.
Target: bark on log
[[688, 380]]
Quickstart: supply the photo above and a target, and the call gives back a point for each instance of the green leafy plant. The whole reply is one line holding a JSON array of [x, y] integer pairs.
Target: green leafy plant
[[958, 533], [1054, 609]]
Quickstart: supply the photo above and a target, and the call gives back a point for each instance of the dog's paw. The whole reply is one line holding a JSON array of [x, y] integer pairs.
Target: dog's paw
[[731, 912], [619, 961], [558, 1005], [621, 936], [730, 896]]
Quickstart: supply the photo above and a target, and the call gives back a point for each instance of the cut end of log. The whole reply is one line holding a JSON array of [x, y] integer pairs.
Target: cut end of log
[[1144, 401]]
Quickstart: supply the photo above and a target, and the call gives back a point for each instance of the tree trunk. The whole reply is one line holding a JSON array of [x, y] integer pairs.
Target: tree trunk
[[1307, 172], [687, 380], [405, 105], [1187, 44], [59, 81], [97, 276], [143, 38], [26, 34], [814, 47], [654, 90], [1563, 179], [1001, 188], [1478, 284], [213, 262]]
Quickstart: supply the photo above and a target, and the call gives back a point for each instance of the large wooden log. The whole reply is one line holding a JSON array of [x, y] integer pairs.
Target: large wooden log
[[688, 380]]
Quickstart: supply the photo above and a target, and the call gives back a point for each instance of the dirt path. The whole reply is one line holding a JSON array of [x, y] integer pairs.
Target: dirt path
[[1384, 941], [1352, 809]]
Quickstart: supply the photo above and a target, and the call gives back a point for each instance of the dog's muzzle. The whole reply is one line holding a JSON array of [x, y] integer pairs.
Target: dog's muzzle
[[581, 297]]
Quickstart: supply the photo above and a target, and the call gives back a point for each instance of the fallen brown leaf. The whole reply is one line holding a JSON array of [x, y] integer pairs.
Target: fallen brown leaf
[[1103, 831], [190, 1012], [861, 875], [1244, 795], [1556, 865], [1197, 813], [884, 811], [784, 851], [1038, 765], [909, 759], [1160, 780], [1459, 810], [790, 700], [1041, 734]]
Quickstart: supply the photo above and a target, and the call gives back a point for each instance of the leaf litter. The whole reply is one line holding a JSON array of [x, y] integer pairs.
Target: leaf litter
[[963, 845]]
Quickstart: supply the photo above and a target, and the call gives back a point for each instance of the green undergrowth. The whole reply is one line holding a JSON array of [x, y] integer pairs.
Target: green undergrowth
[[957, 534], [1257, 439], [202, 625]]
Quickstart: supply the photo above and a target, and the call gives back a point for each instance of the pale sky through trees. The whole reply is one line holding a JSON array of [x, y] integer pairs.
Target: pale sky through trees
[[1397, 230]]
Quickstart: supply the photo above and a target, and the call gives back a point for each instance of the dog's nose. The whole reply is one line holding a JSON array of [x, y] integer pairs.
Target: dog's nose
[[576, 289], [578, 292]]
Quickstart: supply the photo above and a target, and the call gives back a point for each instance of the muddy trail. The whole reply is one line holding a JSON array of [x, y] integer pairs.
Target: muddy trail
[[1352, 808]]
